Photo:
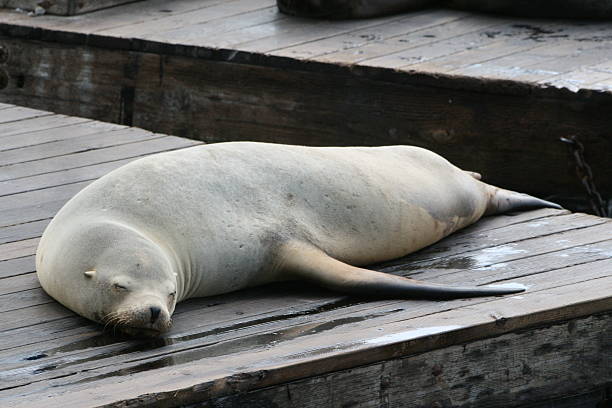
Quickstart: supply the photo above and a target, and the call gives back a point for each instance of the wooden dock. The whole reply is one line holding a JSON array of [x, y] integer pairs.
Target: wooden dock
[[490, 93], [292, 345]]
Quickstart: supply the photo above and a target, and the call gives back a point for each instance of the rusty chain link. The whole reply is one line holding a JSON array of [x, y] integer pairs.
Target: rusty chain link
[[584, 173]]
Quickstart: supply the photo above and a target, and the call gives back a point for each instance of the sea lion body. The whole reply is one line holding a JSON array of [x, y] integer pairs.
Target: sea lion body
[[217, 218]]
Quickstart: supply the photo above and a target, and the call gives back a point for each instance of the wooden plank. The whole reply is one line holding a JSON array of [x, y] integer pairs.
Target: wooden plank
[[416, 53], [192, 20], [19, 283], [71, 161], [451, 54], [556, 65], [456, 244], [43, 123], [503, 220], [39, 197], [32, 138], [17, 266], [74, 145], [194, 33], [59, 178], [77, 329], [132, 14], [532, 62], [388, 28], [582, 78], [536, 364], [22, 231], [306, 32], [31, 212], [394, 43], [18, 249], [19, 113], [41, 313]]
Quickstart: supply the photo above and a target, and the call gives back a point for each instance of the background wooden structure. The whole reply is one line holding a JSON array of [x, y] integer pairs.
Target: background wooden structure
[[493, 94], [294, 345]]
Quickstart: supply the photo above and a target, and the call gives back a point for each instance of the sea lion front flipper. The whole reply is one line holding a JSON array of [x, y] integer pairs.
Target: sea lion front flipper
[[310, 263]]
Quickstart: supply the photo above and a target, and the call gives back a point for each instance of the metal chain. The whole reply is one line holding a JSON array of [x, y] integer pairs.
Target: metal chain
[[584, 173]]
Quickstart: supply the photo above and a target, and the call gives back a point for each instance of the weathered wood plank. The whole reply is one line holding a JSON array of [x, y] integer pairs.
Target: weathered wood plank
[[153, 145], [457, 244], [504, 371], [545, 61], [48, 180], [109, 20], [190, 21], [22, 231], [302, 32], [14, 138], [44, 123], [416, 53], [40, 197], [19, 283], [74, 145], [18, 113], [17, 266], [18, 249], [31, 212], [403, 25], [194, 34]]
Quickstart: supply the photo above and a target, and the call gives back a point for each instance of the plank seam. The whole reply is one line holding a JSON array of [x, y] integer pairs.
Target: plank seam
[[84, 150], [102, 162]]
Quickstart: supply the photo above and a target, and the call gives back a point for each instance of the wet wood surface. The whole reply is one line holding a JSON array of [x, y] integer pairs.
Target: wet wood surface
[[287, 344]]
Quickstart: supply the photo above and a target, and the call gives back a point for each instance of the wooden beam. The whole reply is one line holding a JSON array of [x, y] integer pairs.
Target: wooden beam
[[511, 370]]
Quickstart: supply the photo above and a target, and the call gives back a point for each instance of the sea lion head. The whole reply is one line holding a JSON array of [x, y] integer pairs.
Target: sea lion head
[[110, 273]]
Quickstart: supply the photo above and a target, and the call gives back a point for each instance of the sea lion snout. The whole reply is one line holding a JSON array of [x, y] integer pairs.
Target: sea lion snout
[[140, 315]]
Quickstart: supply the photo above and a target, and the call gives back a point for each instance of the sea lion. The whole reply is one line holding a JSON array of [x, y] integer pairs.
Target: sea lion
[[217, 218], [589, 9]]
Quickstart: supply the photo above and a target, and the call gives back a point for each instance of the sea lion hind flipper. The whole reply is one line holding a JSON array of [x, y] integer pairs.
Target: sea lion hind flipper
[[308, 263], [501, 201]]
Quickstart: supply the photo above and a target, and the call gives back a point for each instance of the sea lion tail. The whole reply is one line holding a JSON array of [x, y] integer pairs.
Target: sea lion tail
[[309, 263], [502, 201]]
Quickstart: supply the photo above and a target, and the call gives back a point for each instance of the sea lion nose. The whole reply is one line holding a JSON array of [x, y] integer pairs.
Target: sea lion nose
[[155, 311]]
